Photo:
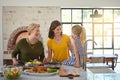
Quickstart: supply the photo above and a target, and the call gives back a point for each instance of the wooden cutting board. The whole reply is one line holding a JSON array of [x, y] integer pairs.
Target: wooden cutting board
[[66, 72]]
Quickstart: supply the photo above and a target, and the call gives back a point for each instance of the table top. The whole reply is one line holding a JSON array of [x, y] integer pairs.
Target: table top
[[102, 55], [102, 74], [97, 65], [84, 75], [55, 76]]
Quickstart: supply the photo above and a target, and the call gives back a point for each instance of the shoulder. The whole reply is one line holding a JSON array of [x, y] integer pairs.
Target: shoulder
[[49, 40], [22, 40], [66, 37]]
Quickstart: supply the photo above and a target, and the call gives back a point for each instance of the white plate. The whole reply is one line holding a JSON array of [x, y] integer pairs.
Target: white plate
[[40, 74]]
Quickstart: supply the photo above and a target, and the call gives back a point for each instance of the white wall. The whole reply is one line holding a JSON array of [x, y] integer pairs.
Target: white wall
[[61, 3]]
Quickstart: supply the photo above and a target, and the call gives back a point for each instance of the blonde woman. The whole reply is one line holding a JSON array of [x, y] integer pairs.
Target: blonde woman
[[29, 48], [78, 39]]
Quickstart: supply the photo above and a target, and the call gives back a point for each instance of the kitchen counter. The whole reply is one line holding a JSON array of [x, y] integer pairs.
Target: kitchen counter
[[55, 76]]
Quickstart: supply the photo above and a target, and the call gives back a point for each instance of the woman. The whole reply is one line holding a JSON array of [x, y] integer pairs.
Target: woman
[[78, 39], [58, 44], [29, 48]]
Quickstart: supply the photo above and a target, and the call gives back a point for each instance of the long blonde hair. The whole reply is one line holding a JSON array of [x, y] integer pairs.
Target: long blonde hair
[[80, 32]]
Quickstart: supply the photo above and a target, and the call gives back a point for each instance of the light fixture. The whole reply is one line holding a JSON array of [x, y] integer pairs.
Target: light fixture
[[96, 15]]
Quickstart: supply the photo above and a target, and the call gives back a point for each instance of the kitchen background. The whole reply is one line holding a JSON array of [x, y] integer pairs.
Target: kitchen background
[[8, 8]]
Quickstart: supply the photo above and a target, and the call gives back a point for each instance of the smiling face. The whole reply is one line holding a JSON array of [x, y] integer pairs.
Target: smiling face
[[57, 31], [35, 33]]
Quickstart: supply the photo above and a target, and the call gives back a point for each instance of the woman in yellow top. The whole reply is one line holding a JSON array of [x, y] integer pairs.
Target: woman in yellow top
[[58, 44]]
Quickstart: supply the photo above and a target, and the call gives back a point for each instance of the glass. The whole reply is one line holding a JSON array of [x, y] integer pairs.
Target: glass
[[88, 28], [86, 15], [98, 52], [116, 15], [117, 29], [108, 51], [116, 40], [76, 15], [108, 29], [99, 42], [67, 29], [66, 15], [108, 42], [12, 72], [98, 29], [108, 15]]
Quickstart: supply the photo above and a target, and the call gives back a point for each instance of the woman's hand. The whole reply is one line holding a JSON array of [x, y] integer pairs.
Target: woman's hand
[[44, 60], [15, 62], [77, 65]]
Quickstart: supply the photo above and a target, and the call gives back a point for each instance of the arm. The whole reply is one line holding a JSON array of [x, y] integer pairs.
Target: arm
[[14, 54], [42, 56], [76, 53], [70, 45], [49, 54]]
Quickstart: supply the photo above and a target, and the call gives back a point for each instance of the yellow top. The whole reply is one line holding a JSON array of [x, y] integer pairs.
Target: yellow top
[[60, 50]]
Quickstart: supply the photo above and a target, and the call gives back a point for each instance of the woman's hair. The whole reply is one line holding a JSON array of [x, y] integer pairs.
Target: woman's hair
[[53, 26], [31, 27], [80, 32]]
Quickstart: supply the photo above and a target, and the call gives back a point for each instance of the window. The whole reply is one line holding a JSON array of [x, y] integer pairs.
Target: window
[[105, 31]]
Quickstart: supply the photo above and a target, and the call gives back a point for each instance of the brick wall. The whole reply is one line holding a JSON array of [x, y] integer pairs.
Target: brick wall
[[16, 18]]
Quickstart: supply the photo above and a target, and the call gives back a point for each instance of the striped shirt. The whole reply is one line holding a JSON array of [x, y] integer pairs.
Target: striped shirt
[[72, 60]]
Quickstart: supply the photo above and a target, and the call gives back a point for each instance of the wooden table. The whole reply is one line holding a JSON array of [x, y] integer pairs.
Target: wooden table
[[108, 58]]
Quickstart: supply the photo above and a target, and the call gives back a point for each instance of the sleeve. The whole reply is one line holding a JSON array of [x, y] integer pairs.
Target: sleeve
[[42, 56], [49, 43], [67, 38], [16, 51]]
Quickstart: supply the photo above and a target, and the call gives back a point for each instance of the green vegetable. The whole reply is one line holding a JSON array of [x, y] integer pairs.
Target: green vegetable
[[52, 70]]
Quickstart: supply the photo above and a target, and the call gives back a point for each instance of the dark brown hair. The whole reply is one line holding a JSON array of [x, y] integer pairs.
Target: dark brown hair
[[53, 26]]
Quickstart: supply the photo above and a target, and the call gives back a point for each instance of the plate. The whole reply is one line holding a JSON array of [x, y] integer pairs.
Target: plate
[[40, 74], [52, 65]]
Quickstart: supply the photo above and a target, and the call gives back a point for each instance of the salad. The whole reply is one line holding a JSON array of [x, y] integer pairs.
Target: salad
[[12, 72]]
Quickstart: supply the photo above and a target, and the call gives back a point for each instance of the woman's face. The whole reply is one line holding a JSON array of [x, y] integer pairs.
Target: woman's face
[[73, 35], [36, 33], [58, 30]]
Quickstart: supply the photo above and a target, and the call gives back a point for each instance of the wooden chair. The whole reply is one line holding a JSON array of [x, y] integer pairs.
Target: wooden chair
[[115, 61]]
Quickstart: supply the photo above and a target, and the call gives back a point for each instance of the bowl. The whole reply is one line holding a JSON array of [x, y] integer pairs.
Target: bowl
[[12, 73]]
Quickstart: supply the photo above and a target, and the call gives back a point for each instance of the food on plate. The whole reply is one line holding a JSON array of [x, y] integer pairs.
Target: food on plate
[[52, 70], [32, 63], [41, 69]]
